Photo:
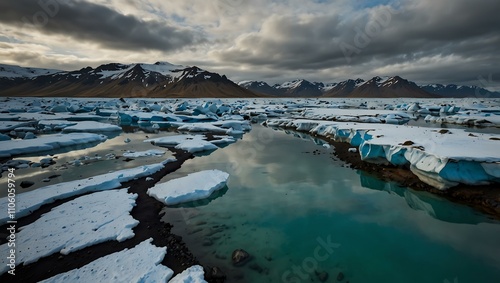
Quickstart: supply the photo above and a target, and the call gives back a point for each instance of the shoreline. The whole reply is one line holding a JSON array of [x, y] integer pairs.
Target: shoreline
[[147, 212], [484, 198]]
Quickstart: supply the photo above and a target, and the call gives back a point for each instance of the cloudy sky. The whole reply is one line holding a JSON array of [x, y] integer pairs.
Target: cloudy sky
[[427, 41]]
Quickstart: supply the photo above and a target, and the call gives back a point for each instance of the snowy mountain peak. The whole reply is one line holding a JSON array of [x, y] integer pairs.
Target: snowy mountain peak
[[12, 71]]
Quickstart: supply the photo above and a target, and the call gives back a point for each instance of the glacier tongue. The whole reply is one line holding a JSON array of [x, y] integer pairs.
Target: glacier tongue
[[435, 155]]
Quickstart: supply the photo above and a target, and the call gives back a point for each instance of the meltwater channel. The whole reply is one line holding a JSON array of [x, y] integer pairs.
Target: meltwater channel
[[306, 217]]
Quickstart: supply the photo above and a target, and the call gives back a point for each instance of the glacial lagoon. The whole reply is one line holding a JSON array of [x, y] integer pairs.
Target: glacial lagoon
[[300, 212]]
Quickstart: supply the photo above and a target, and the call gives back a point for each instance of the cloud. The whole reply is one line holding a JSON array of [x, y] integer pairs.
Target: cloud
[[413, 38], [447, 41], [101, 25]]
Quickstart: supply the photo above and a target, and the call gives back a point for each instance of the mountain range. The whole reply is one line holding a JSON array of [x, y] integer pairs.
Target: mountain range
[[163, 79]]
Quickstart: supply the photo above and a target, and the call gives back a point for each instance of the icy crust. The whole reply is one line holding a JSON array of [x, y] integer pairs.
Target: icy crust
[[479, 119], [74, 225], [50, 142], [190, 143], [194, 274], [441, 158], [30, 201], [151, 152], [140, 264], [357, 115], [194, 186], [91, 127]]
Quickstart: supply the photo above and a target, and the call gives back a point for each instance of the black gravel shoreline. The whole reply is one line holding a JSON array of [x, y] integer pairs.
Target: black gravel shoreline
[[146, 211]]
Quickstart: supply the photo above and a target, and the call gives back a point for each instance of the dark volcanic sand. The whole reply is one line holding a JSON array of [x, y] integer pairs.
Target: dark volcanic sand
[[146, 211]]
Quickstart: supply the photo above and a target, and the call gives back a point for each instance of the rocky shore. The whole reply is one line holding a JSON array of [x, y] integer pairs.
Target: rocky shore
[[146, 211], [484, 198]]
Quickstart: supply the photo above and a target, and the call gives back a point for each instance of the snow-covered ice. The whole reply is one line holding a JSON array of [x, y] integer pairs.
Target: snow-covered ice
[[91, 127], [194, 274], [140, 264], [435, 155], [74, 225], [189, 143], [192, 187], [30, 201], [151, 152], [12, 148]]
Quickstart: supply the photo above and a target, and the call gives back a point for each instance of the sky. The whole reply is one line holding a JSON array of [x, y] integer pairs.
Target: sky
[[426, 41]]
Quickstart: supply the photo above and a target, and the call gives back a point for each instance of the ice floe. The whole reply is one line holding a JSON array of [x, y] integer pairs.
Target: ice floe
[[12, 148], [194, 186], [189, 143], [74, 225], [194, 274], [30, 201], [91, 127], [139, 264], [151, 152], [437, 156]]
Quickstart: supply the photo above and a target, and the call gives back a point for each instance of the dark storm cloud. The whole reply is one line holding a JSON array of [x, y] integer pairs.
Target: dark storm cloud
[[382, 36], [95, 23]]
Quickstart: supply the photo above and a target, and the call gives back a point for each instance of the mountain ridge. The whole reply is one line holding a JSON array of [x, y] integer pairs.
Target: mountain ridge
[[163, 79]]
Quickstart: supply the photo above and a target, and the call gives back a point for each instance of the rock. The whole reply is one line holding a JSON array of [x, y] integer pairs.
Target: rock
[[340, 276], [214, 274], [127, 140], [256, 267], [322, 275], [26, 184], [240, 257]]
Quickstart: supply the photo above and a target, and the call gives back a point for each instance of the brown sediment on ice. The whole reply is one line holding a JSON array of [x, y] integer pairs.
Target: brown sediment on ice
[[484, 198], [146, 211]]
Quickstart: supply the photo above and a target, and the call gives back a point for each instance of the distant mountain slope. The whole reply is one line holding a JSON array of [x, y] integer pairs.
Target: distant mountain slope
[[343, 89], [300, 88], [295, 88], [452, 90], [161, 79], [261, 87], [389, 87]]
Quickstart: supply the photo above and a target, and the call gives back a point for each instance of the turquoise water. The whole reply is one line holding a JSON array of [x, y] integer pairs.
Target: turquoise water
[[299, 212]]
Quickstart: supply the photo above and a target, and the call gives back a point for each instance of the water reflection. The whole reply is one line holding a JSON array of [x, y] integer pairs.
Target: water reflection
[[282, 197], [433, 205]]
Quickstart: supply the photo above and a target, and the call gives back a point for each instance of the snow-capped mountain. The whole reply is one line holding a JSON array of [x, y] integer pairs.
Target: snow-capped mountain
[[260, 87], [295, 88], [11, 71], [160, 79], [452, 90], [344, 88], [302, 88], [389, 87]]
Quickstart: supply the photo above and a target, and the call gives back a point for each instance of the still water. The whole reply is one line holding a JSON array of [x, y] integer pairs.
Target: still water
[[305, 217]]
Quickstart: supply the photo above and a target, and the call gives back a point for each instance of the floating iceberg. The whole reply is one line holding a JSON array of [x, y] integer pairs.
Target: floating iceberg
[[139, 264], [189, 143], [194, 186], [151, 152], [194, 274], [435, 155], [91, 127], [30, 201], [74, 225], [12, 148]]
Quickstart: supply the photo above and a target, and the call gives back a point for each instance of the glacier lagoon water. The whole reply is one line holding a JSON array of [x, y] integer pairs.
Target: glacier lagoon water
[[300, 212]]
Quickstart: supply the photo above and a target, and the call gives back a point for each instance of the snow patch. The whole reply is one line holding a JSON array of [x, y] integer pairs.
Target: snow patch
[[192, 187]]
